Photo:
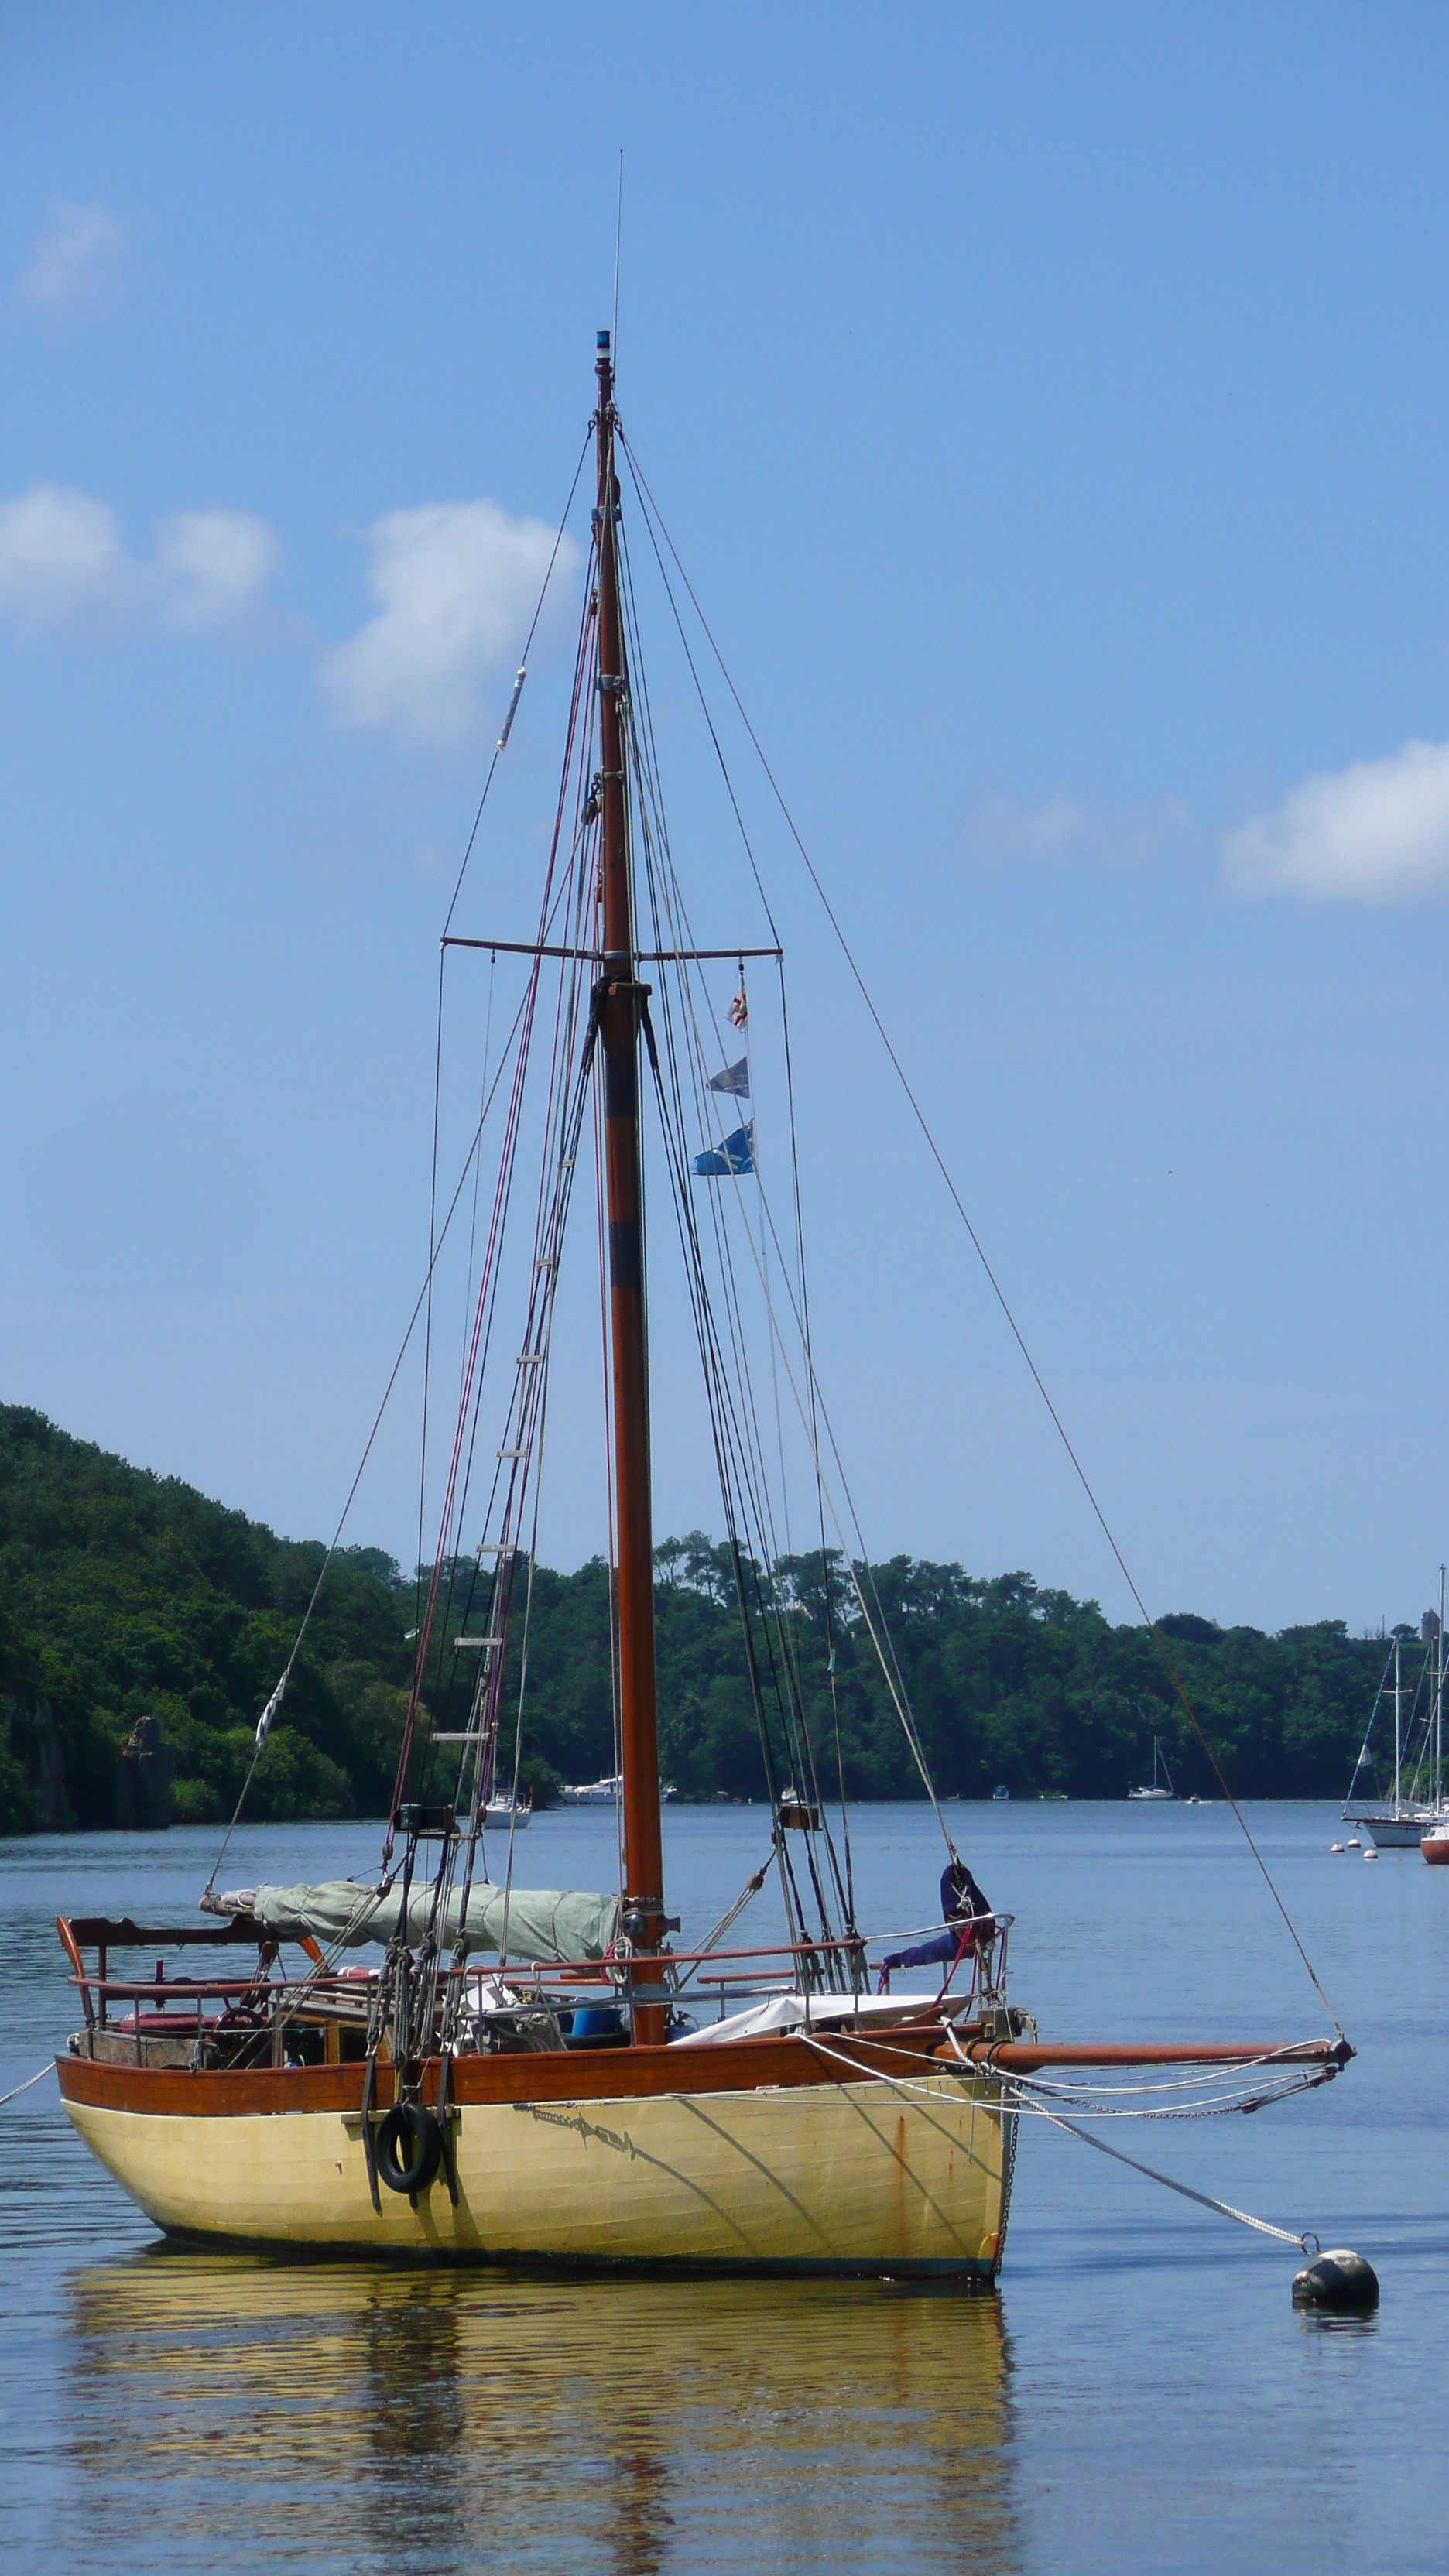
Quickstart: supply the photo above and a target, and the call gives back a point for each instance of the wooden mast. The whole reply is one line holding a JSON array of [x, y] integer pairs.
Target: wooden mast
[[621, 1004]]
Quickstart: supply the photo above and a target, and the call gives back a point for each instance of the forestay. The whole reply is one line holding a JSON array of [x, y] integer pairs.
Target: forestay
[[539, 1923]]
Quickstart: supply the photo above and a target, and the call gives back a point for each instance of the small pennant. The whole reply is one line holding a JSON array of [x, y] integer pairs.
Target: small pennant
[[725, 1162]]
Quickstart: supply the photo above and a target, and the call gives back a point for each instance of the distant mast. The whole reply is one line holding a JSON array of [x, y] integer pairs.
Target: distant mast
[[622, 1000]]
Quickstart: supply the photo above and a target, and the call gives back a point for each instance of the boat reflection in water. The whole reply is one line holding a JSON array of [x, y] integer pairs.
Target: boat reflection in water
[[486, 2420]]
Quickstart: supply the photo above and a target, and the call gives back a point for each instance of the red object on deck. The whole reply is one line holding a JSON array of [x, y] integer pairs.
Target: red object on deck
[[155, 2025]]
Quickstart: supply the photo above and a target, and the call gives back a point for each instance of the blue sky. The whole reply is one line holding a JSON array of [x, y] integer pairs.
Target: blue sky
[[1050, 407]]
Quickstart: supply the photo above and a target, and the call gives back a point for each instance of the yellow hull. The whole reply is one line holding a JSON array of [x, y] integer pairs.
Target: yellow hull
[[866, 2177]]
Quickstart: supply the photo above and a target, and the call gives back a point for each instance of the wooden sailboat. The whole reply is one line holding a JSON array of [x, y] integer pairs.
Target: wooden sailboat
[[559, 2104]]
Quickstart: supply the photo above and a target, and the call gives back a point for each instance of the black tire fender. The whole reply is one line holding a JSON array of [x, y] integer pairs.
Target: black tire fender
[[408, 2147]]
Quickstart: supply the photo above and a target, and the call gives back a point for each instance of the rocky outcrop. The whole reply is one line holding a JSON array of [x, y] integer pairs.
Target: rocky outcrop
[[144, 1777]]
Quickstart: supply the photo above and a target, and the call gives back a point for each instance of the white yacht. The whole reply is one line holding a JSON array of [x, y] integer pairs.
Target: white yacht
[[1161, 1782], [1417, 1802]]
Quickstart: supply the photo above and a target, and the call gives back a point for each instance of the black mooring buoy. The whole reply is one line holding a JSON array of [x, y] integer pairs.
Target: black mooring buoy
[[1337, 2279]]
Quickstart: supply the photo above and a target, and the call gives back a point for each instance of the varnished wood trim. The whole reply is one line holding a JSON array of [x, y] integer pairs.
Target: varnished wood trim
[[93, 1931], [72, 1952], [614, 2074]]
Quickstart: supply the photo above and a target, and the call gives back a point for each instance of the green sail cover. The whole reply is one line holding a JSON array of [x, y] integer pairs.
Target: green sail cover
[[543, 1923]]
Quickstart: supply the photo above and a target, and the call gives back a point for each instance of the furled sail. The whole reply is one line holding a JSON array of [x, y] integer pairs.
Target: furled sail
[[542, 1923]]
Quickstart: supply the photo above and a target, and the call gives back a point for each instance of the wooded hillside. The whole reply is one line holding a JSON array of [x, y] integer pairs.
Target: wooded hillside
[[127, 1597]]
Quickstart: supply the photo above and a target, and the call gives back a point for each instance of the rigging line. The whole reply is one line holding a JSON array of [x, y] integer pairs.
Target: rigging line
[[751, 1889], [1178, 1689], [885, 1653], [897, 1686], [1223, 2208], [765, 1268], [371, 1437], [762, 1507], [646, 770], [1373, 1715], [551, 1169], [478, 1166], [484, 1751], [487, 1293], [825, 1583], [726, 1420], [527, 648], [545, 1218], [650, 795], [14, 2094], [719, 1398], [527, 1404], [879, 1631], [432, 1248], [1205, 2200], [525, 1413], [648, 514], [488, 1284], [879, 1635], [576, 748], [1213, 2106], [737, 1429], [522, 1677]]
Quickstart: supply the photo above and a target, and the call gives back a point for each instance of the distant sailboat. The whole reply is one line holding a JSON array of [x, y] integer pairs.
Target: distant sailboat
[[1417, 1803], [508, 1814], [1161, 1787]]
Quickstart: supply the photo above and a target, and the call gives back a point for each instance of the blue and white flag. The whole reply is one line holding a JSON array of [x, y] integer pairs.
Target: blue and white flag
[[724, 1162], [735, 1078]]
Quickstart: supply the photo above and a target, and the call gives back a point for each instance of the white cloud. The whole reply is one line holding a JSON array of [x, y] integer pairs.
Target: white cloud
[[1060, 826], [61, 556], [1002, 829], [1376, 832], [456, 583], [213, 565], [63, 563], [73, 257]]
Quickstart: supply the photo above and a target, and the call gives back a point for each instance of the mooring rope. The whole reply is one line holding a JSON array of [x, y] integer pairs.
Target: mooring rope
[[1022, 2101], [47, 2069], [1306, 2241], [1025, 2098]]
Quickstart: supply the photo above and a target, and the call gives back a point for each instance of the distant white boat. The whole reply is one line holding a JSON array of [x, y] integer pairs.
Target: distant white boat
[[501, 1812], [602, 1793], [1159, 1763], [1417, 1803]]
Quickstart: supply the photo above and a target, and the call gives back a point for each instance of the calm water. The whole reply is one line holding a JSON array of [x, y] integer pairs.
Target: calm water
[[1140, 2394]]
